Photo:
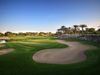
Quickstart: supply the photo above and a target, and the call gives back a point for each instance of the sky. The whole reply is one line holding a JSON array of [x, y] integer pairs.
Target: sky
[[47, 15]]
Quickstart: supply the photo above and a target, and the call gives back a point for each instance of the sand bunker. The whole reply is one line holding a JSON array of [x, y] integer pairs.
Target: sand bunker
[[72, 54], [5, 51]]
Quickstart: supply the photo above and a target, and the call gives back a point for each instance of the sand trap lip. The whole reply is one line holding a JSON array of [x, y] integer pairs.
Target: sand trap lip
[[73, 54], [5, 51]]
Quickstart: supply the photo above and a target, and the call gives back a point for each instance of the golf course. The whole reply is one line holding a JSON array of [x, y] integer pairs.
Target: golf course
[[49, 56], [49, 37]]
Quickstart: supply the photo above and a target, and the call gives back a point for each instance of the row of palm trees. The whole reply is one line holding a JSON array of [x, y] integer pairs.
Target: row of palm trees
[[76, 29], [82, 26], [70, 30]]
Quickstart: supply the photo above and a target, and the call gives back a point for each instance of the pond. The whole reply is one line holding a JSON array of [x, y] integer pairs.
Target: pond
[[2, 41]]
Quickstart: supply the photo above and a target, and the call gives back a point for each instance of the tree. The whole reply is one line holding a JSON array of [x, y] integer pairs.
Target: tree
[[42, 33], [98, 31], [66, 31], [21, 34], [83, 26], [59, 30], [90, 30], [8, 33], [75, 26], [1, 34], [49, 34], [58, 33], [63, 29]]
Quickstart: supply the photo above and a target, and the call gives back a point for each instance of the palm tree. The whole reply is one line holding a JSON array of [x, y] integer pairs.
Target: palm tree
[[75, 26], [59, 30], [83, 26], [62, 29], [70, 30]]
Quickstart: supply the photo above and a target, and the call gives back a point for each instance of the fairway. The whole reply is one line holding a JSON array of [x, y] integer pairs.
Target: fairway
[[20, 62]]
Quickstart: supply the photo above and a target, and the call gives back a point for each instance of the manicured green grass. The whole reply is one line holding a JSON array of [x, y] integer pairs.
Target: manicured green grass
[[24, 38], [20, 61]]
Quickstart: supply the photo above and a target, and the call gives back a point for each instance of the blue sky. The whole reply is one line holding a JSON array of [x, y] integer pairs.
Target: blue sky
[[47, 15]]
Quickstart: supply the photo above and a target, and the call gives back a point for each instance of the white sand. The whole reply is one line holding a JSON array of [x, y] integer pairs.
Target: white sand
[[72, 54]]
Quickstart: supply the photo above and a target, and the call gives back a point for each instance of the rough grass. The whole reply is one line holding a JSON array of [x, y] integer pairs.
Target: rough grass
[[20, 61]]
